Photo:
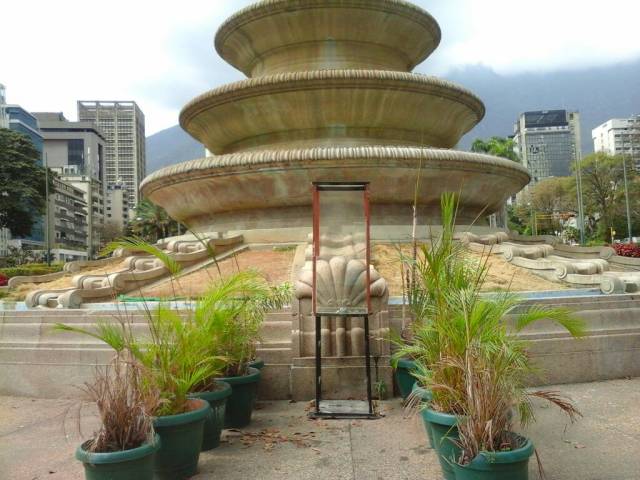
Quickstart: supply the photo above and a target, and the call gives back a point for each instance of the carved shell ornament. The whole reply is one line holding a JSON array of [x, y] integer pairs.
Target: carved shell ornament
[[340, 283]]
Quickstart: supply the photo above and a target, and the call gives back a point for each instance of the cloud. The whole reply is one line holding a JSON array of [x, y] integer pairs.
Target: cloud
[[547, 35], [161, 54]]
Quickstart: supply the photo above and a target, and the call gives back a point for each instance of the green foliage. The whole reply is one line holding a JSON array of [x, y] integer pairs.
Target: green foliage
[[603, 186], [31, 269], [184, 351], [554, 195], [173, 354], [516, 215], [152, 222], [497, 146], [232, 312], [455, 324], [22, 183]]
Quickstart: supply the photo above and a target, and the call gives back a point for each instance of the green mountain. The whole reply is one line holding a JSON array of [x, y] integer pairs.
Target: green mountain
[[597, 93]]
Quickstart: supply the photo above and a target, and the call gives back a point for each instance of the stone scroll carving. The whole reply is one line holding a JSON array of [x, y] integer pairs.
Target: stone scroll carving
[[341, 283]]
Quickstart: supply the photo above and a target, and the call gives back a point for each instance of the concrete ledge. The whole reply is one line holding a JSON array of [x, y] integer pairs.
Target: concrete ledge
[[35, 361]]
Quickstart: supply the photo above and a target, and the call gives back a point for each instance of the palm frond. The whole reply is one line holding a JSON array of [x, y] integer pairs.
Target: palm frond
[[138, 245]]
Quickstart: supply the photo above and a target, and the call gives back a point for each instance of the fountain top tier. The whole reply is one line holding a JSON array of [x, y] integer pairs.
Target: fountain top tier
[[277, 36], [331, 98]]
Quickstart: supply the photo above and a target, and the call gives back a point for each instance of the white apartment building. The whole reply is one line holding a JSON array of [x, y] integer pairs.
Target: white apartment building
[[4, 118], [619, 136], [125, 154]]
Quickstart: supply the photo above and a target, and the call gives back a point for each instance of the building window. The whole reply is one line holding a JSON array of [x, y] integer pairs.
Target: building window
[[76, 153]]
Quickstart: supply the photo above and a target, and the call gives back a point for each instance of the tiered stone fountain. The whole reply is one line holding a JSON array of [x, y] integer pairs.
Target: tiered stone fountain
[[330, 97]]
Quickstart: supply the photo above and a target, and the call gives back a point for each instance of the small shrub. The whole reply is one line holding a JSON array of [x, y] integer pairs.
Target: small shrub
[[30, 269], [631, 250], [125, 404], [4, 280]]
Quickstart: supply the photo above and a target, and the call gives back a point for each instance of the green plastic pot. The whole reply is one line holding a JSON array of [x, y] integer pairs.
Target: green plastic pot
[[215, 420], [404, 379], [243, 396], [258, 364], [426, 396], [444, 434], [180, 443], [134, 464], [512, 465]]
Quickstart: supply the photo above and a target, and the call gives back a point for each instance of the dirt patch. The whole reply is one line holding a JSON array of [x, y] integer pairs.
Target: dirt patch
[[274, 265], [19, 293], [502, 275]]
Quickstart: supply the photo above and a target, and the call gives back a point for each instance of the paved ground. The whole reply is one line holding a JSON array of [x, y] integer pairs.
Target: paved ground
[[38, 438]]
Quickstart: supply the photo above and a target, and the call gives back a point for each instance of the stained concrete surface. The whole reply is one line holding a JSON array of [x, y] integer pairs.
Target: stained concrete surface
[[38, 439]]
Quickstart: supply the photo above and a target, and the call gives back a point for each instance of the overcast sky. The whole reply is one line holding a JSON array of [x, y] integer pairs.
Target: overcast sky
[[160, 53]]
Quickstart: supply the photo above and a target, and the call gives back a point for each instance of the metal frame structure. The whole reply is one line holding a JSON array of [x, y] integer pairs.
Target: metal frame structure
[[319, 412]]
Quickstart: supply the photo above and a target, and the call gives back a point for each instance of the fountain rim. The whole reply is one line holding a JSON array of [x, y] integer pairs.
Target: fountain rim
[[254, 161], [267, 8], [318, 79]]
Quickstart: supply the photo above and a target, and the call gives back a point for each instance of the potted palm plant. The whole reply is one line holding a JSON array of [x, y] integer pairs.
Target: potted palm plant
[[125, 444], [494, 381], [176, 358], [453, 319], [174, 363], [220, 319], [233, 316]]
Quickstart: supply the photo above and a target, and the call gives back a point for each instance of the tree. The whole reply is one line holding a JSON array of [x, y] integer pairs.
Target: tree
[[554, 195], [498, 146], [110, 232], [22, 183], [152, 222], [603, 190]]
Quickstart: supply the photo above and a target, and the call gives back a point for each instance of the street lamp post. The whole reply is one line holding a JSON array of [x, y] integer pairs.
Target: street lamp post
[[47, 236], [626, 197], [578, 159]]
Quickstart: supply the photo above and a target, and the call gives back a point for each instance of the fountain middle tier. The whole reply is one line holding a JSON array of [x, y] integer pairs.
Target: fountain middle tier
[[332, 108], [266, 195]]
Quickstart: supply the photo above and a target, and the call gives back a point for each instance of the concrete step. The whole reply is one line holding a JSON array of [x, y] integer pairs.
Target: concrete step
[[281, 316], [275, 356], [53, 345], [276, 331]]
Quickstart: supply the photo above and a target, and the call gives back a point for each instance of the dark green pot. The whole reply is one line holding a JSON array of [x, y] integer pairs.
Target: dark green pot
[[215, 420], [513, 465], [258, 364], [426, 396], [404, 378], [134, 464], [243, 396], [444, 434], [181, 440]]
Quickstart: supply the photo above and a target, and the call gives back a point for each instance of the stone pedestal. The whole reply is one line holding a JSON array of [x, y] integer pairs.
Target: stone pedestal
[[341, 281], [342, 378]]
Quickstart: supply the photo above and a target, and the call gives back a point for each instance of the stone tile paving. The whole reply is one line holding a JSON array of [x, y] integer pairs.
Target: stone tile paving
[[38, 438]]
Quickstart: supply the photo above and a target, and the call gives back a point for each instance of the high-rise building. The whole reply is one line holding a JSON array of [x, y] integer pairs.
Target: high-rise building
[[75, 150], [123, 126], [619, 136], [68, 228], [548, 142], [4, 118], [117, 212]]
